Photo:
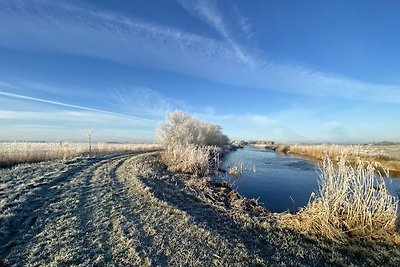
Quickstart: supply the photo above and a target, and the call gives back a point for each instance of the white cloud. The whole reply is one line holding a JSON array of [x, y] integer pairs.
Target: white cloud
[[67, 105], [34, 132], [207, 10], [65, 28], [71, 125], [69, 118], [244, 23], [144, 101]]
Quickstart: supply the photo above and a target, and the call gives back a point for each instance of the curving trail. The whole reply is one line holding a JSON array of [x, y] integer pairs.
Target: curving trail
[[96, 211]]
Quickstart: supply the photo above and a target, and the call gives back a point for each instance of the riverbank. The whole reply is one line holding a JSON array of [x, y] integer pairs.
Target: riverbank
[[256, 234]]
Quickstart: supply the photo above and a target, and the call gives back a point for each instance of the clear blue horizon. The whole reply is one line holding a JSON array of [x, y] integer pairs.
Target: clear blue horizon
[[295, 71]]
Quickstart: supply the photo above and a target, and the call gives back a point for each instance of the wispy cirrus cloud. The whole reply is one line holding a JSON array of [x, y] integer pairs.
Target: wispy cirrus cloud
[[144, 101], [244, 22], [67, 105], [207, 11], [66, 28]]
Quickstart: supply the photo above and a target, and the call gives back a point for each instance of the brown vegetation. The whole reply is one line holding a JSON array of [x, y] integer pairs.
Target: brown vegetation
[[351, 202], [13, 153], [387, 156], [191, 146]]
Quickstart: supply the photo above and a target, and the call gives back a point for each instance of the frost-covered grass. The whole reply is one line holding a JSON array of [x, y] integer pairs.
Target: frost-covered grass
[[12, 153], [191, 146], [352, 203], [191, 158], [387, 155], [122, 210], [332, 151]]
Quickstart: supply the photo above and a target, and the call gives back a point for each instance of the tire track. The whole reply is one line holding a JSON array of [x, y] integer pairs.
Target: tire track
[[47, 228]]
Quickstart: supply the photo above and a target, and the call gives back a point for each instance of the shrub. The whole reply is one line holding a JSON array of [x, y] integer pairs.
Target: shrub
[[191, 146]]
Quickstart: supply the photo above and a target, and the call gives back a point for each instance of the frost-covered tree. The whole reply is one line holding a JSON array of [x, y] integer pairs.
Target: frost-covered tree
[[182, 129]]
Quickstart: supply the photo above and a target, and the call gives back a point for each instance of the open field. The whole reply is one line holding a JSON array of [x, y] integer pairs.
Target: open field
[[387, 155], [128, 210], [12, 153], [388, 152]]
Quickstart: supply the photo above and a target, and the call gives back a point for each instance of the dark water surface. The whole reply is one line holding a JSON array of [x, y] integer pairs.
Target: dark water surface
[[280, 182]]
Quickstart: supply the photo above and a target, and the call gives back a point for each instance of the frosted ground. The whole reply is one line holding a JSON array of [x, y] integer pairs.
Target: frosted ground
[[127, 210]]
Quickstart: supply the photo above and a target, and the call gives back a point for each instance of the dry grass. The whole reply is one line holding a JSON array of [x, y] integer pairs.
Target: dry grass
[[191, 146], [191, 158], [351, 202], [236, 169], [112, 210], [387, 156], [119, 210], [12, 153], [332, 151]]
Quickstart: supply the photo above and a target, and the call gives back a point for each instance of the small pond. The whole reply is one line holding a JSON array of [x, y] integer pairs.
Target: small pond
[[280, 182]]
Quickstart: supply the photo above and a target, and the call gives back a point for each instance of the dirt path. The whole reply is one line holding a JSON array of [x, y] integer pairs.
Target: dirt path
[[126, 210], [95, 212]]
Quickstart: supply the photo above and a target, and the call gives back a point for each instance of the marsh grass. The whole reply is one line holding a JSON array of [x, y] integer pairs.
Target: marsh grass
[[236, 169], [13, 153], [352, 201], [191, 146], [388, 160], [191, 158]]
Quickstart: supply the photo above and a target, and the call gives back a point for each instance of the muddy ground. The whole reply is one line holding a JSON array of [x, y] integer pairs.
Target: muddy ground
[[128, 210]]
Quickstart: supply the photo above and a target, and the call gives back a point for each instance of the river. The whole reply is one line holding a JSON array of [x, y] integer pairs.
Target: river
[[280, 182]]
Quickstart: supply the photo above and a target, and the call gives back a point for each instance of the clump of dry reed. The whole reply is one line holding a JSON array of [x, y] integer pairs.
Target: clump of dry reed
[[352, 202], [191, 158], [191, 146], [236, 169]]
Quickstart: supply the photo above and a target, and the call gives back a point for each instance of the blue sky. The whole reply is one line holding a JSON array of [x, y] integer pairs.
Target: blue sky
[[298, 71]]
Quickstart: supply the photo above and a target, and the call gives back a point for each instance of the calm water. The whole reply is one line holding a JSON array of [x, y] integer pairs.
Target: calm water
[[280, 182]]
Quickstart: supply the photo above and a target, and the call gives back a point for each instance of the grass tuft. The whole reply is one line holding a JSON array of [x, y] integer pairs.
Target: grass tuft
[[191, 146], [191, 158], [352, 201]]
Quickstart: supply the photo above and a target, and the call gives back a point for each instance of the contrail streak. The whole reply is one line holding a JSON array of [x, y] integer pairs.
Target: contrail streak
[[2, 93]]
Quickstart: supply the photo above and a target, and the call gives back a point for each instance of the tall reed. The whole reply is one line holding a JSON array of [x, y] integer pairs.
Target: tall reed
[[191, 146], [352, 201], [191, 158]]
